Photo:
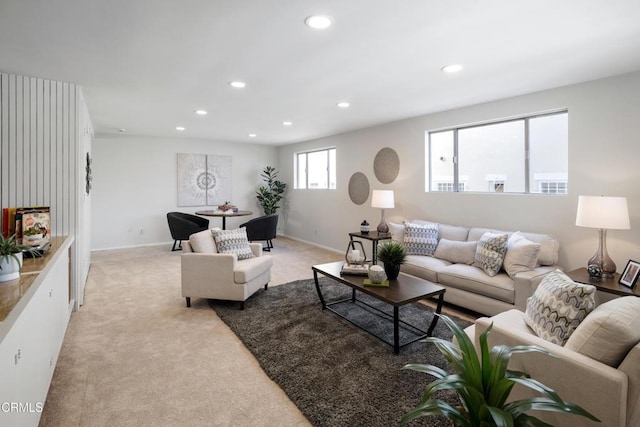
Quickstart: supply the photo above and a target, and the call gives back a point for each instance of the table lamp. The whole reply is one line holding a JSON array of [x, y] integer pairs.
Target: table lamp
[[382, 199], [603, 213]]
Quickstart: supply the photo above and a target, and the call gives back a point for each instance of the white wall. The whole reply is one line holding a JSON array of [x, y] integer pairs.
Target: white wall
[[604, 154], [135, 186]]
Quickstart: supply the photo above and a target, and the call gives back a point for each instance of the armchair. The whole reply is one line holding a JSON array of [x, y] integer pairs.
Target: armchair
[[182, 225], [209, 274], [262, 228], [611, 393]]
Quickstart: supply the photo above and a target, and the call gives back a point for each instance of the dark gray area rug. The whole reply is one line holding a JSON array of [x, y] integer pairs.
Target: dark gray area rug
[[335, 373]]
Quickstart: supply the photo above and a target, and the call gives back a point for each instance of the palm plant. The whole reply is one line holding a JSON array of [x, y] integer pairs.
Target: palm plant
[[484, 384], [269, 195]]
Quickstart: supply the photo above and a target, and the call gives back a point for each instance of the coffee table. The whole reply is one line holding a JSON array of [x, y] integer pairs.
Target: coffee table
[[401, 291]]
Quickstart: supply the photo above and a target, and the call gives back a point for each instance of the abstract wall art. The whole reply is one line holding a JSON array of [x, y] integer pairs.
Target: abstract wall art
[[203, 179]]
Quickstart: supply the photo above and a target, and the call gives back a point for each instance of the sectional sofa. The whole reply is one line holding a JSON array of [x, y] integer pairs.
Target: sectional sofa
[[456, 251]]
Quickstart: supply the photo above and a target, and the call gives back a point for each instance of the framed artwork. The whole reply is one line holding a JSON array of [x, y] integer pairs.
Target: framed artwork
[[203, 180], [630, 274]]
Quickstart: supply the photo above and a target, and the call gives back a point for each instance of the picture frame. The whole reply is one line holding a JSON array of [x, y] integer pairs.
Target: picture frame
[[630, 274]]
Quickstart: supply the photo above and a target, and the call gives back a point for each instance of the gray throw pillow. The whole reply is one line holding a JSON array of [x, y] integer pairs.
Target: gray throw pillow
[[558, 306], [455, 251], [490, 252], [521, 255], [233, 242], [420, 239]]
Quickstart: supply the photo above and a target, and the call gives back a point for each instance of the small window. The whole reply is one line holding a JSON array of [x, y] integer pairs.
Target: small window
[[315, 169], [523, 155]]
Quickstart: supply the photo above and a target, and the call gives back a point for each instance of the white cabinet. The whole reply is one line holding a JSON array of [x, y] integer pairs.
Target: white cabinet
[[29, 348]]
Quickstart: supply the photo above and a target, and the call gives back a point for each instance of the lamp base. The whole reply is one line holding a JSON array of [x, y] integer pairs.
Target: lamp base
[[601, 257], [383, 227]]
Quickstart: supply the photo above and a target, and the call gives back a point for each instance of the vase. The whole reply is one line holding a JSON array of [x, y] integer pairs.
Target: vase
[[10, 268], [392, 271]]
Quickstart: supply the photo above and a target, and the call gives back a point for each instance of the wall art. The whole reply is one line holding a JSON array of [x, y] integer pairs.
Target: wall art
[[204, 179]]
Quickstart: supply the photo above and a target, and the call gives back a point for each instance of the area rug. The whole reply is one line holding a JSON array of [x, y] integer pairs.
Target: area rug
[[335, 373]]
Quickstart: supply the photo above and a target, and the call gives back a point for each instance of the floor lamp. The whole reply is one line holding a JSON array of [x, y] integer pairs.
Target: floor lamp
[[603, 213], [382, 199]]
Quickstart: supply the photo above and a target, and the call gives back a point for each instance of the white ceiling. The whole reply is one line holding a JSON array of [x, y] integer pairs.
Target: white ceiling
[[146, 65]]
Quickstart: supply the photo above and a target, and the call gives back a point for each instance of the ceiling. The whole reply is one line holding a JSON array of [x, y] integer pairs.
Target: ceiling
[[146, 65]]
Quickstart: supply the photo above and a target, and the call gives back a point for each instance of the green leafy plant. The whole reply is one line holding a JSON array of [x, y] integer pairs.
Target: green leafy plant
[[9, 248], [390, 252], [484, 384], [269, 195], [33, 231]]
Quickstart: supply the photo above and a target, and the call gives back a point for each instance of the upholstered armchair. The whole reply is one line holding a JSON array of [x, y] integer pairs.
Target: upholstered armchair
[[262, 228], [598, 368], [183, 225], [209, 274]]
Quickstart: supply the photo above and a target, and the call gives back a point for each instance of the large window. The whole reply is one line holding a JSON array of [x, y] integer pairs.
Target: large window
[[524, 155], [316, 169]]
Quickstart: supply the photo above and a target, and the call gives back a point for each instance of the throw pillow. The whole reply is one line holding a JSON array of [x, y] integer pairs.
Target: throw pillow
[[521, 255], [558, 306], [490, 252], [233, 242], [202, 242], [609, 332], [456, 252], [420, 239]]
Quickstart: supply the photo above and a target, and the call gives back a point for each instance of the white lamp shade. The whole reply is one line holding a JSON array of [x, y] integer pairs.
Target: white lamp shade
[[382, 199], [609, 213]]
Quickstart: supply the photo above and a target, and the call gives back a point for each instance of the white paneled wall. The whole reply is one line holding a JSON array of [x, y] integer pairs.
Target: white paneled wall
[[43, 131]]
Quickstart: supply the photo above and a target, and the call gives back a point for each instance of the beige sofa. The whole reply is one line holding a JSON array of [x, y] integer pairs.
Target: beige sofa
[[470, 287], [587, 370]]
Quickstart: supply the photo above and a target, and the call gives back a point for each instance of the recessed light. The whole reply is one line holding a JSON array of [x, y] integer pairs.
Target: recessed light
[[252, 135], [318, 22], [237, 84], [343, 104], [201, 112], [287, 123], [180, 128], [453, 68]]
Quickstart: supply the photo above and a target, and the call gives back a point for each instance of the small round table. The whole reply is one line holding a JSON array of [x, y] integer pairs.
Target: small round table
[[223, 215]]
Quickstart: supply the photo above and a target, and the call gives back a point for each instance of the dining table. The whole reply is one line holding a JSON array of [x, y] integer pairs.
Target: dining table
[[224, 215]]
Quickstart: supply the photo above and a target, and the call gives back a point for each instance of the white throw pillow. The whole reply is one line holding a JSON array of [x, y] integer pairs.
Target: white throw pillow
[[490, 252], [233, 242], [455, 251], [521, 255], [397, 232], [202, 242], [609, 332], [420, 239], [558, 306]]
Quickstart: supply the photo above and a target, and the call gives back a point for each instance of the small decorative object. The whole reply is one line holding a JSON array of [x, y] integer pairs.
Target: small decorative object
[[630, 274], [355, 259], [382, 199], [11, 258], [228, 207], [481, 380], [364, 227], [603, 213], [392, 255], [376, 274], [88, 177], [595, 272]]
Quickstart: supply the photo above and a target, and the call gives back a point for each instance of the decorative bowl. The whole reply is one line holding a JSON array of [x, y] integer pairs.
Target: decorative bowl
[[376, 274]]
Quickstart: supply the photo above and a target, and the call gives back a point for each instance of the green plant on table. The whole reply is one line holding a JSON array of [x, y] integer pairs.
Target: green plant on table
[[484, 384], [9, 248], [390, 252]]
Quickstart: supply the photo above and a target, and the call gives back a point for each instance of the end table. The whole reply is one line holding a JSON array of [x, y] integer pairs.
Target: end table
[[375, 237], [581, 275]]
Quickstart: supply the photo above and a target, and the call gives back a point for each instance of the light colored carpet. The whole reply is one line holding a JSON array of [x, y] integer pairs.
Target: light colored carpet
[[134, 355]]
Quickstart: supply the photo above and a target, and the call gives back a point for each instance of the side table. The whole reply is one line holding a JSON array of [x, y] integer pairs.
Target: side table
[[610, 286], [375, 237]]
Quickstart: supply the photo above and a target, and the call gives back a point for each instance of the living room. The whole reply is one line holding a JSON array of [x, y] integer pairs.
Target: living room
[[134, 165]]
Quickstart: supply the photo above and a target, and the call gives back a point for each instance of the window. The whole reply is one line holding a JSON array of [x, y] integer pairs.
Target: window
[[315, 169], [524, 155]]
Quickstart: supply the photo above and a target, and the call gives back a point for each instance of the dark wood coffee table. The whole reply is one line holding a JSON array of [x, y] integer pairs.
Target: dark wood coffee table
[[404, 290]]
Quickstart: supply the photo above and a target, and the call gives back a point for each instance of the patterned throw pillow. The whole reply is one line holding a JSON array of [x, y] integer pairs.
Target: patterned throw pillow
[[233, 242], [490, 252], [558, 306], [420, 239]]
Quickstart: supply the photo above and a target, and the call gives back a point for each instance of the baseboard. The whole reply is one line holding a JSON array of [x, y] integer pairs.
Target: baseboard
[[170, 242], [312, 243]]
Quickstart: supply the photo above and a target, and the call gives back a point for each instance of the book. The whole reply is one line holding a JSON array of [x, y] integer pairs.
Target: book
[[30, 217], [359, 269], [368, 282]]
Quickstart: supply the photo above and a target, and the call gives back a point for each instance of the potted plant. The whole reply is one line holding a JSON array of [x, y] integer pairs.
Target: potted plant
[[392, 255], [269, 195], [484, 384], [11, 258]]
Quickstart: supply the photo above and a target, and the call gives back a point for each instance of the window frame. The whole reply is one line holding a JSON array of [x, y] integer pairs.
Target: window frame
[[456, 173], [296, 167]]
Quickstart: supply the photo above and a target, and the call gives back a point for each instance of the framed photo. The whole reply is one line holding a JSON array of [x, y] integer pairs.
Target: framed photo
[[630, 274]]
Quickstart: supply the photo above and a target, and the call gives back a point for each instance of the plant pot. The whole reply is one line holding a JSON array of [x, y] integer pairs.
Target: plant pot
[[392, 271], [10, 268]]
